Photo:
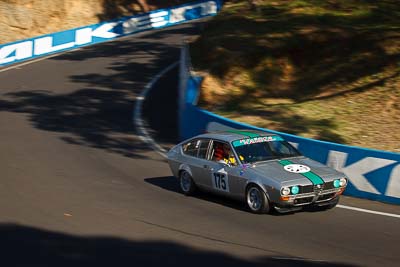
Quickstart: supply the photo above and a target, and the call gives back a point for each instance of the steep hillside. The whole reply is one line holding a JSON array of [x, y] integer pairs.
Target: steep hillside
[[322, 69]]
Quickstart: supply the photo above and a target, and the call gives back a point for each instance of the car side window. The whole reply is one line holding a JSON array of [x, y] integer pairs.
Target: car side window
[[222, 152], [203, 148], [191, 148]]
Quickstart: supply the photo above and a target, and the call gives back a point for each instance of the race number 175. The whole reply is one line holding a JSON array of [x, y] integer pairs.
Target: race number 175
[[220, 181]]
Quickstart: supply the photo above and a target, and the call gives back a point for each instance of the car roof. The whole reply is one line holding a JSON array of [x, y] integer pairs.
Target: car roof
[[232, 135]]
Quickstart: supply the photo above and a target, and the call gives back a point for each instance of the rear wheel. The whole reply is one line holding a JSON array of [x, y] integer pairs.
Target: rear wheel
[[257, 200], [186, 183]]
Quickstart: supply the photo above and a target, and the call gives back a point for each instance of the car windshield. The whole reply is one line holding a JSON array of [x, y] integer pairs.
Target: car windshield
[[263, 148]]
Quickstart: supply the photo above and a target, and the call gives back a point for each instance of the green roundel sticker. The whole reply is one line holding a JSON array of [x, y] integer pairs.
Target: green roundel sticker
[[314, 178]]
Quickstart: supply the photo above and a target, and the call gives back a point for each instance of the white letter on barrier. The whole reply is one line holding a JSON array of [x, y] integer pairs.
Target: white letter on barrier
[[85, 35], [158, 19], [22, 50], [155, 20], [178, 14], [356, 171], [134, 24], [209, 8], [45, 45], [393, 187]]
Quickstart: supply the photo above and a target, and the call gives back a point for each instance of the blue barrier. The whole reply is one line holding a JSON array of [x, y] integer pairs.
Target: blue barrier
[[66, 40], [372, 174]]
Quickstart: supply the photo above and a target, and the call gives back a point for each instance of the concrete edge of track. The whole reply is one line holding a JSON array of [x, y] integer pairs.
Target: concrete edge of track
[[139, 122]]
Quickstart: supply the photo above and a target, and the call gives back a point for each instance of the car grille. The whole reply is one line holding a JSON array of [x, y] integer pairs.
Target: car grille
[[306, 189], [319, 187], [303, 200], [329, 185], [314, 188]]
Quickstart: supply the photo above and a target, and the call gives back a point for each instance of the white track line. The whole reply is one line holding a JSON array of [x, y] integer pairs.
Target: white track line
[[137, 116], [17, 65], [369, 211]]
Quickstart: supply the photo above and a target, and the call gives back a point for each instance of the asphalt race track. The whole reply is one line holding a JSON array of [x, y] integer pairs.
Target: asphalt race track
[[79, 188]]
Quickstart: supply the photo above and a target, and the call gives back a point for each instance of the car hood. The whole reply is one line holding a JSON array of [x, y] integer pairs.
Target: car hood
[[275, 170]]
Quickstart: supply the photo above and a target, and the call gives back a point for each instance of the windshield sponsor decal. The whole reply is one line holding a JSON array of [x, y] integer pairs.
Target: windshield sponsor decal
[[314, 178], [262, 139]]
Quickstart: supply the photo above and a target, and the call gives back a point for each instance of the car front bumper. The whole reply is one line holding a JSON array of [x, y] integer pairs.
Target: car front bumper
[[318, 198]]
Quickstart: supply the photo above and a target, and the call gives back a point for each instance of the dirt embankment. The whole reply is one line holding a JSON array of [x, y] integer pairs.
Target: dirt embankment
[[327, 70], [21, 19]]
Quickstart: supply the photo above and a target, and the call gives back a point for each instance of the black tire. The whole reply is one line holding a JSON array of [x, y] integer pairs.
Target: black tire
[[186, 183], [257, 201]]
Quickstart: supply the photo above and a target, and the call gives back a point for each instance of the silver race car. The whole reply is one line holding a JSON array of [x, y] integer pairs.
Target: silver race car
[[262, 169]]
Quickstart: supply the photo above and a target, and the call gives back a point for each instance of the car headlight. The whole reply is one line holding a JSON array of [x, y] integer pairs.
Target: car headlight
[[343, 181], [336, 183], [285, 191], [295, 190]]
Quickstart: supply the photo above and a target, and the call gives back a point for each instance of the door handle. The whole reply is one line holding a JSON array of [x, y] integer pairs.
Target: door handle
[[208, 167]]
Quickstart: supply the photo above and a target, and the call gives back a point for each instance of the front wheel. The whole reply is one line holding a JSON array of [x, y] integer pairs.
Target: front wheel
[[187, 185], [257, 201]]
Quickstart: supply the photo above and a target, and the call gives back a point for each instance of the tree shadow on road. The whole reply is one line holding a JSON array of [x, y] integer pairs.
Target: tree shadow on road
[[87, 117], [95, 107], [171, 183], [29, 246]]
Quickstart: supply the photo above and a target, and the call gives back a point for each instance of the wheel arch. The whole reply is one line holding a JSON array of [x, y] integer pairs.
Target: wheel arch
[[184, 167], [259, 185]]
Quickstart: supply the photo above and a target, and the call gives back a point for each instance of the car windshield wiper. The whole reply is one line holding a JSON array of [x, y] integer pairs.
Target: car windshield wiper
[[261, 161], [288, 157]]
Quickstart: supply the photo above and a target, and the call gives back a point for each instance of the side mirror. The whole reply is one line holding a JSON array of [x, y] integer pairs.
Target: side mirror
[[225, 164]]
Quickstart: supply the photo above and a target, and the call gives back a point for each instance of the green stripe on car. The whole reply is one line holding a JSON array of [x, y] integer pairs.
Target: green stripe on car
[[314, 178], [285, 162], [249, 134]]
